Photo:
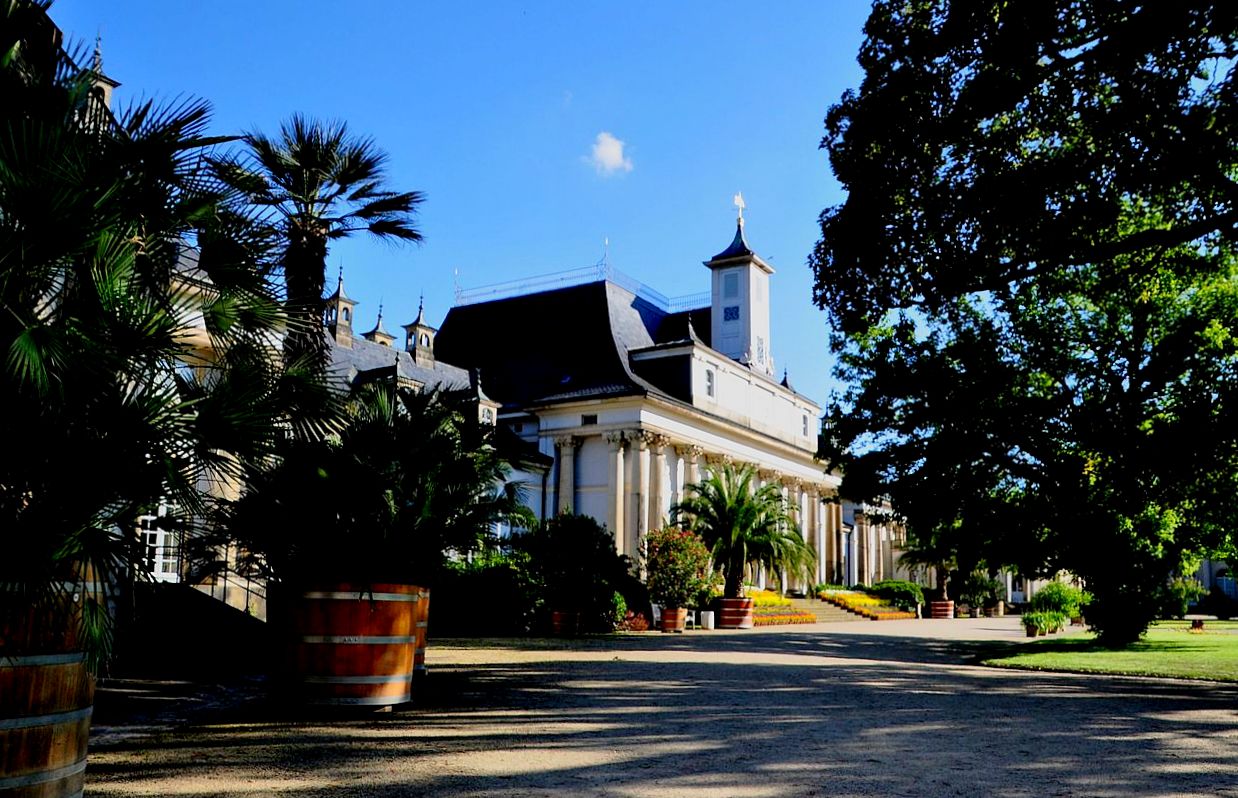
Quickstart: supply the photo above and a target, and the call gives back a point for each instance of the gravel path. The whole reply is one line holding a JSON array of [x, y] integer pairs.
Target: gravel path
[[852, 709]]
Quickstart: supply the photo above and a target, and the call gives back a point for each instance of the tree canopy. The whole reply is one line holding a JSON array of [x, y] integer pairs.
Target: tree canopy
[[1032, 282]]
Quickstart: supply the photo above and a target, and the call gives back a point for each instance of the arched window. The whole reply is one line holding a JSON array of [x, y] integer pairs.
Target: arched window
[[425, 340], [347, 315]]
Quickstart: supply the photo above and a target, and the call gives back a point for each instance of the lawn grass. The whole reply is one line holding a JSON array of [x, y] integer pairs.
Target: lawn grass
[[1167, 650]]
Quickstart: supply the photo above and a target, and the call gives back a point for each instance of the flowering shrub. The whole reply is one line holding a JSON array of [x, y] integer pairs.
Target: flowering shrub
[[679, 567], [633, 622]]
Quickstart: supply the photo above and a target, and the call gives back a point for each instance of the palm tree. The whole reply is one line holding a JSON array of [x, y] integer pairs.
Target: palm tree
[[135, 367], [936, 550], [744, 526], [411, 479], [324, 184]]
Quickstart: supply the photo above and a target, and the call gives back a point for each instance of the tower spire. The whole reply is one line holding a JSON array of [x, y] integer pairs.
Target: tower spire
[[98, 61]]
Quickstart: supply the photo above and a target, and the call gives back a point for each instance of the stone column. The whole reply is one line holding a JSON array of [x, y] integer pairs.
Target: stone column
[[692, 463], [861, 548], [567, 472], [657, 480], [640, 487], [818, 541], [614, 499]]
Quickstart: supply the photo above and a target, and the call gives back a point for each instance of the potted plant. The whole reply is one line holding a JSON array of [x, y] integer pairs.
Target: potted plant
[[678, 570], [933, 550], [744, 527], [100, 425], [410, 481]]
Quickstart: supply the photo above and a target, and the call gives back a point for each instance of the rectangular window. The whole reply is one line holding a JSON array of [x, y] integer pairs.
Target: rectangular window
[[730, 313], [730, 286], [805, 426], [588, 419], [709, 382]]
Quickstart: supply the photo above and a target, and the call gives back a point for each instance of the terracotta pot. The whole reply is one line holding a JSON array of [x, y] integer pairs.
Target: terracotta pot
[[674, 619], [736, 613], [354, 645], [1031, 631], [941, 609], [45, 707], [564, 624]]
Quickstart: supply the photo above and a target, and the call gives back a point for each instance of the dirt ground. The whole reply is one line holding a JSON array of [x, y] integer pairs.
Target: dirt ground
[[853, 709]]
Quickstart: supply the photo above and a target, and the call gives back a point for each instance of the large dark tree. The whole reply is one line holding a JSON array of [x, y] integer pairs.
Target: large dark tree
[[1033, 285], [325, 184]]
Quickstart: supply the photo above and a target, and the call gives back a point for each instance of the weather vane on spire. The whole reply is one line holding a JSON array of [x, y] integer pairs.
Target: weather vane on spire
[[739, 203]]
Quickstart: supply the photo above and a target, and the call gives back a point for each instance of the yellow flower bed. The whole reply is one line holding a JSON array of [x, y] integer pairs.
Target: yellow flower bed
[[864, 605], [768, 598]]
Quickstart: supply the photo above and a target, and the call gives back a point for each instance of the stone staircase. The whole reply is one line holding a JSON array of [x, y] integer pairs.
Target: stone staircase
[[826, 613]]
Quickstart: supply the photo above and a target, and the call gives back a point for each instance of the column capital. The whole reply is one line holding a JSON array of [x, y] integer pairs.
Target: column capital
[[615, 438], [715, 459], [657, 440], [567, 440], [639, 437], [767, 474], [689, 450]]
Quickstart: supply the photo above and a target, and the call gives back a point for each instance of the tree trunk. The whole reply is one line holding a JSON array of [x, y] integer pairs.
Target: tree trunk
[[304, 268]]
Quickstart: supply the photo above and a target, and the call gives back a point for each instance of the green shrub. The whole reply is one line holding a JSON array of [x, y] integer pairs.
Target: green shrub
[[1060, 597], [902, 594], [618, 608], [1218, 604], [826, 586], [573, 558]]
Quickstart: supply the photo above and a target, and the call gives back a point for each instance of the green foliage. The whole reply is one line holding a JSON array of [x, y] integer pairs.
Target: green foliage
[[1060, 597], [1178, 594], [1034, 285], [902, 594], [824, 587], [494, 593], [742, 526], [980, 590], [411, 481], [573, 557], [115, 238], [1218, 604], [678, 567]]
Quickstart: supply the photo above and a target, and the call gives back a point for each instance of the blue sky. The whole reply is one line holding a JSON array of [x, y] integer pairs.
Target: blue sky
[[494, 110]]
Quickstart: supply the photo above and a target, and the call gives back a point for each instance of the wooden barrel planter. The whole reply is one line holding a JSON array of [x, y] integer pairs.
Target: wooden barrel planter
[[735, 613], [941, 609], [45, 706], [674, 620], [354, 645], [421, 623]]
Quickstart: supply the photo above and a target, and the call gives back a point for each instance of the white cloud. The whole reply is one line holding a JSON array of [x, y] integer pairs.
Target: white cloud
[[608, 157]]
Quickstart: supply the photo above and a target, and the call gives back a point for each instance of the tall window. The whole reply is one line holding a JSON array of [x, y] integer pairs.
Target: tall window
[[730, 286], [709, 382], [805, 426]]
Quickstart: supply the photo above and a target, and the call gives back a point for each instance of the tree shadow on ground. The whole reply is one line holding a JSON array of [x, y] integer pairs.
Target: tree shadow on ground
[[803, 718]]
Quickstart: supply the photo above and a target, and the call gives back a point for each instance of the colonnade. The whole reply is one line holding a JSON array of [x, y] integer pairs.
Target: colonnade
[[647, 473]]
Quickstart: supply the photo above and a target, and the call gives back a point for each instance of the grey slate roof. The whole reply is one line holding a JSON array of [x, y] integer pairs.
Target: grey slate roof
[[366, 356], [554, 346]]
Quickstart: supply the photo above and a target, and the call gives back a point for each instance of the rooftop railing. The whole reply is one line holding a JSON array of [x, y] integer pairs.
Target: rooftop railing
[[579, 276]]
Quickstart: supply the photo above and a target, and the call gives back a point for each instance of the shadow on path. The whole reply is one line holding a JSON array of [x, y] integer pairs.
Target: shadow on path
[[736, 715]]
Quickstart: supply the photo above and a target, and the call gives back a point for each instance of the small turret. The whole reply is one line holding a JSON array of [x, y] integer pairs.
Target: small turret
[[339, 314], [378, 335], [419, 338]]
